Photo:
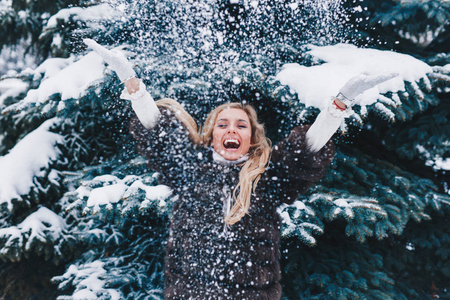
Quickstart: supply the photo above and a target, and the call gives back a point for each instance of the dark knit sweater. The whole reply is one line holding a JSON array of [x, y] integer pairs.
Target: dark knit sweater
[[204, 259]]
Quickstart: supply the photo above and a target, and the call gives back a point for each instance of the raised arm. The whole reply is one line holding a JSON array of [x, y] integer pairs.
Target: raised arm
[[294, 167], [160, 136], [329, 119], [142, 103], [301, 159]]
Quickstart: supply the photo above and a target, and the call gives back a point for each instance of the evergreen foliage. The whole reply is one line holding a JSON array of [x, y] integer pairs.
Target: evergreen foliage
[[93, 217], [417, 27]]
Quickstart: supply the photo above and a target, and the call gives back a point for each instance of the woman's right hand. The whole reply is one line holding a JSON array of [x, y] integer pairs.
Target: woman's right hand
[[132, 85]]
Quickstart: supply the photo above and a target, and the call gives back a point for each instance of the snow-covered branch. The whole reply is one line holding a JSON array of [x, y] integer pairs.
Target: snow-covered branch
[[41, 233], [26, 161], [335, 65]]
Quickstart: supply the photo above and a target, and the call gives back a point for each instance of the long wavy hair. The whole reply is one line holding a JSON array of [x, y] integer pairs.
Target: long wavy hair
[[251, 170]]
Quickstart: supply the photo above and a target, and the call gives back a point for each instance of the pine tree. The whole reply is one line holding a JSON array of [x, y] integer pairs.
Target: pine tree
[[405, 261], [83, 217]]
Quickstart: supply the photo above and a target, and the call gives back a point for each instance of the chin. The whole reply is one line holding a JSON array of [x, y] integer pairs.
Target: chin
[[231, 156]]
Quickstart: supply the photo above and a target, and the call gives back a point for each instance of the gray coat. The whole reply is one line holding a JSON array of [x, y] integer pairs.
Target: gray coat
[[204, 258]]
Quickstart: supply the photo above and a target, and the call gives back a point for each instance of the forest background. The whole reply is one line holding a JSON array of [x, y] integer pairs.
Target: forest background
[[81, 216]]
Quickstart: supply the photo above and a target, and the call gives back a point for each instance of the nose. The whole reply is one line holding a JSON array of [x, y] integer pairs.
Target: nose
[[232, 128]]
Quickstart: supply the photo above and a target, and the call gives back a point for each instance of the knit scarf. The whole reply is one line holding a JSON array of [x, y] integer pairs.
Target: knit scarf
[[226, 190], [223, 161]]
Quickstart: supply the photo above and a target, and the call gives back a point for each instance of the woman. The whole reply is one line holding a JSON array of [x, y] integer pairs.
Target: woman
[[224, 230], [224, 233]]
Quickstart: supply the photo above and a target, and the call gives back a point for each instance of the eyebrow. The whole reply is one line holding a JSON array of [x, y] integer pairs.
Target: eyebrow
[[239, 120]]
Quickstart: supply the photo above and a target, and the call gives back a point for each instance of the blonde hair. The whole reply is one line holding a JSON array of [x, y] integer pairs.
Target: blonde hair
[[259, 152], [183, 116]]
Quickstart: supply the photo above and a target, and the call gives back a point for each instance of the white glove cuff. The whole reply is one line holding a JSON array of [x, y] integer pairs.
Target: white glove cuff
[[339, 113], [143, 105], [326, 124], [134, 96], [348, 102]]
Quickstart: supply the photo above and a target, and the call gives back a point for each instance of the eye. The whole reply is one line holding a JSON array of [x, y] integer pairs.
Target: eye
[[221, 125], [242, 126]]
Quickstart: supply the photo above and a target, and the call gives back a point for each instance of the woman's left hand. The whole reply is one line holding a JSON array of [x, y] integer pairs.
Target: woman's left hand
[[358, 85], [340, 105]]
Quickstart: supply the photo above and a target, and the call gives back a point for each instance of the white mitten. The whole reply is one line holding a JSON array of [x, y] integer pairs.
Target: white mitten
[[115, 59], [329, 119], [143, 104], [359, 84]]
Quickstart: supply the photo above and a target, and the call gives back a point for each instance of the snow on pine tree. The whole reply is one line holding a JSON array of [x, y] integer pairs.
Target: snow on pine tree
[[82, 217]]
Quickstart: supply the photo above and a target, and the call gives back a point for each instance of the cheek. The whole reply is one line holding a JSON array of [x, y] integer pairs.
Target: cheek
[[248, 139], [215, 137]]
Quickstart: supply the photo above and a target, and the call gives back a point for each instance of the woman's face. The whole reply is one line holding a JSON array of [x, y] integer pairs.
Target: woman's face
[[232, 133]]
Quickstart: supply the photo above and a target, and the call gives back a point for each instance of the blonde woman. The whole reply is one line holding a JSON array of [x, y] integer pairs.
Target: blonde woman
[[224, 232]]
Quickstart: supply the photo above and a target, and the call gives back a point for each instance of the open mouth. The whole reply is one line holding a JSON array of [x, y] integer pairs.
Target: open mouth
[[231, 144]]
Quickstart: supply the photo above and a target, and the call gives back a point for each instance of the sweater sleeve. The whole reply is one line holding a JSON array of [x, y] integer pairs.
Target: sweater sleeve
[[143, 105], [325, 125], [294, 167], [166, 147]]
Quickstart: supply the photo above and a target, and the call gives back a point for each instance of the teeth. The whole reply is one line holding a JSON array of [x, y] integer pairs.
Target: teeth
[[231, 144], [231, 141]]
